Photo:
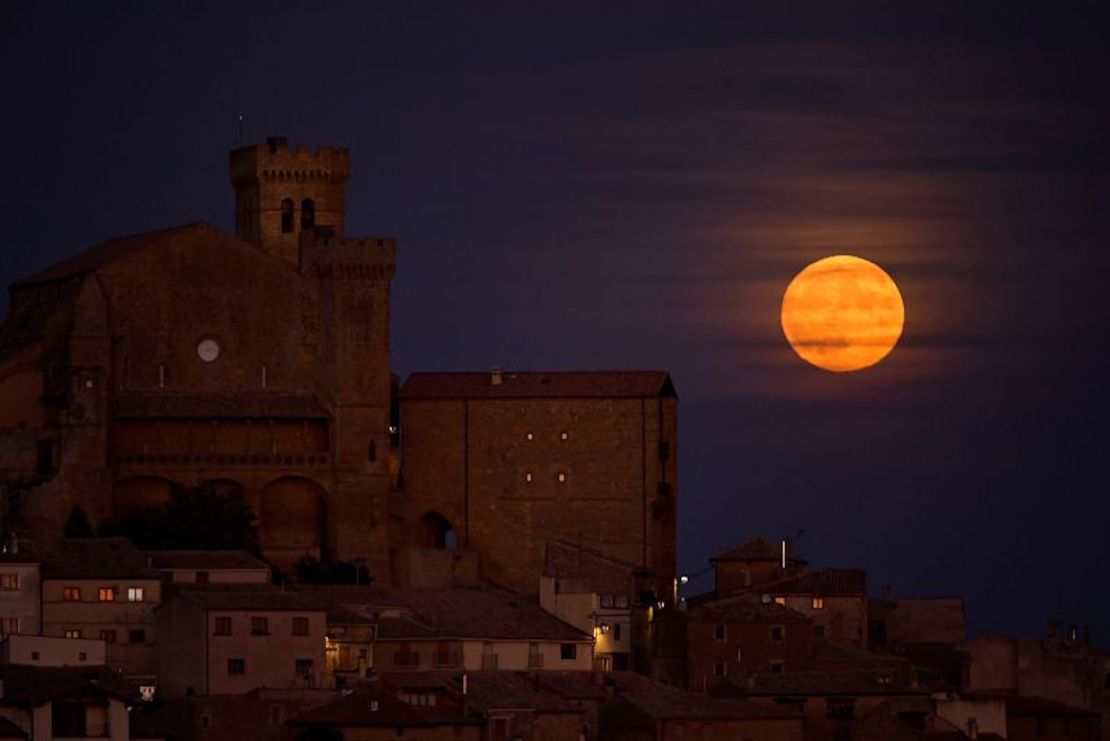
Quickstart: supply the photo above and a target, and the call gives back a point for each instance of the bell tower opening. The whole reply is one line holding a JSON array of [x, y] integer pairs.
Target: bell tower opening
[[271, 180]]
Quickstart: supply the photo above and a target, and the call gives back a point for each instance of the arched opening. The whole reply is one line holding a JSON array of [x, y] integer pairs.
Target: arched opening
[[436, 532], [292, 519], [308, 214], [287, 216], [134, 495]]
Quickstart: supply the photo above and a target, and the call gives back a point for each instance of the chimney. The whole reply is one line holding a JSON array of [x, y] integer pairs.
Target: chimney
[[495, 377]]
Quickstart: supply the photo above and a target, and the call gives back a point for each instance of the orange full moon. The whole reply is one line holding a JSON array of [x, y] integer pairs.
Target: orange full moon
[[842, 313]]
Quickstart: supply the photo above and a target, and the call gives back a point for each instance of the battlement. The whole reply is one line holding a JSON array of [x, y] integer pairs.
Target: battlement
[[331, 256], [276, 161]]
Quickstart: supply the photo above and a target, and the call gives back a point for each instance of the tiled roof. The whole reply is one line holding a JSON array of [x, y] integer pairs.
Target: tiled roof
[[212, 406], [824, 684], [492, 690], [91, 558], [459, 612], [377, 707], [750, 611], [758, 549], [537, 384], [1031, 706], [100, 255], [660, 701], [30, 686], [824, 582], [259, 597], [205, 560]]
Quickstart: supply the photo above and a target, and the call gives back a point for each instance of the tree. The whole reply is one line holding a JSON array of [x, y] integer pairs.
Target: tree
[[311, 570], [77, 524], [205, 517]]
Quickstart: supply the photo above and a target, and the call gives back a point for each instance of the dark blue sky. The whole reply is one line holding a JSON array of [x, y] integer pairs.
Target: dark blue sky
[[578, 188]]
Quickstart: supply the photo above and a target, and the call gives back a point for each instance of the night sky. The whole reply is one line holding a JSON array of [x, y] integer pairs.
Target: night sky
[[634, 187]]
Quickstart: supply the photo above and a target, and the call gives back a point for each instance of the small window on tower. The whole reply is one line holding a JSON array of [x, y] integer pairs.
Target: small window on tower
[[287, 215], [308, 214]]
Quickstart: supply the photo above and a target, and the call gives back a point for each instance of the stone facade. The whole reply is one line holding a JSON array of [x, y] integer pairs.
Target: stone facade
[[259, 363]]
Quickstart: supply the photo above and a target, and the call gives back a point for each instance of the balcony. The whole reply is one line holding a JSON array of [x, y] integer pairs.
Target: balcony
[[489, 661]]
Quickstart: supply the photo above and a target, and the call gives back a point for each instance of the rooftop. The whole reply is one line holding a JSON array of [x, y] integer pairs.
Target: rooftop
[[824, 582], [538, 384], [258, 597], [205, 560], [823, 684], [458, 612], [375, 706], [758, 548], [91, 558]]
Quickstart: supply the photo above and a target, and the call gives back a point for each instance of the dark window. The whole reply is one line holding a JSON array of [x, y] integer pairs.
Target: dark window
[[136, 636], [67, 719], [287, 215], [202, 577], [719, 669], [45, 462], [236, 666], [720, 632], [819, 631], [372, 451], [303, 668], [223, 626], [616, 631], [568, 651], [260, 626], [34, 656], [300, 626], [664, 450], [308, 214], [776, 633], [776, 667]]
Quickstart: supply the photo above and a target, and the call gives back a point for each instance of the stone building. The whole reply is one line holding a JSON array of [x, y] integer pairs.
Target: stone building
[[259, 363]]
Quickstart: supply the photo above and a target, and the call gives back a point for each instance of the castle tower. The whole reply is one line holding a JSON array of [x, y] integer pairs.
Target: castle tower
[[280, 192]]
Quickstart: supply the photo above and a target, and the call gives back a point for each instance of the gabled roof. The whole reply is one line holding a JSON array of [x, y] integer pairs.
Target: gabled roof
[[374, 706], [258, 597], [117, 248], [758, 548], [217, 405], [539, 385], [745, 611], [456, 613], [205, 560], [91, 558], [823, 582]]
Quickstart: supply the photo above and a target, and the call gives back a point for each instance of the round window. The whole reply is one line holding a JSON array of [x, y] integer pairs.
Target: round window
[[208, 350]]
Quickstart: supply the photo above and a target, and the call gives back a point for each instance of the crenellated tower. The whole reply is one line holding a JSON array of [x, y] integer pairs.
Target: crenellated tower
[[281, 191]]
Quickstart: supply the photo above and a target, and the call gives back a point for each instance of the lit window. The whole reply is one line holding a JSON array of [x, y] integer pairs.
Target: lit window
[[720, 632], [562, 477], [146, 691], [73, 634], [780, 600], [260, 626], [71, 594], [529, 436], [528, 477], [9, 582], [564, 435], [107, 594], [223, 626], [236, 666], [818, 603], [300, 626], [135, 594]]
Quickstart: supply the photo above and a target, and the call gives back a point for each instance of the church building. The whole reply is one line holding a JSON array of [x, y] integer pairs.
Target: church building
[[259, 362]]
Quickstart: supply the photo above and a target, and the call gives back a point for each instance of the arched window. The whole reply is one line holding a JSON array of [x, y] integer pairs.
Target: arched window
[[287, 215], [308, 214]]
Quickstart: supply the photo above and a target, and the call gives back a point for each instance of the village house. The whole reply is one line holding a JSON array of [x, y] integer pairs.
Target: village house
[[210, 567], [231, 639]]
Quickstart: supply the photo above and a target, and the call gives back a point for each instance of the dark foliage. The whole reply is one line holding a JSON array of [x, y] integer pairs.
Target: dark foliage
[[77, 524], [206, 517], [311, 570]]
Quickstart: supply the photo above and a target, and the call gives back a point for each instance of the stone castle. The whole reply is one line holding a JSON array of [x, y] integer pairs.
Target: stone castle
[[259, 361]]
